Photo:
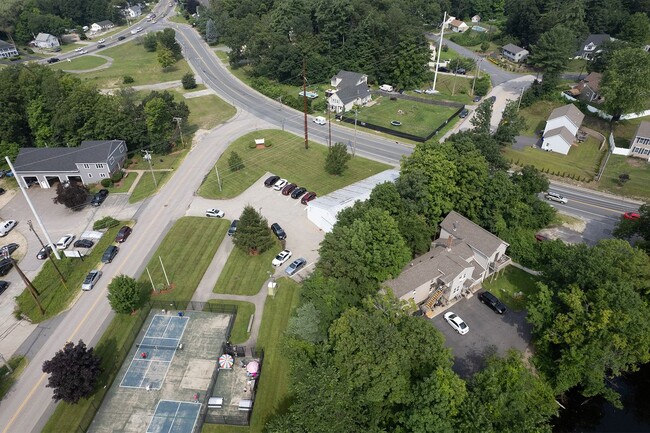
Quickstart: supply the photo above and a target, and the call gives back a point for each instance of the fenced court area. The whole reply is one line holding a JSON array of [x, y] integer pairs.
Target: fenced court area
[[174, 417]]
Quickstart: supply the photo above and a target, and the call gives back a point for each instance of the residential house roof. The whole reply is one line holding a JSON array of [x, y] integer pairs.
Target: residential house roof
[[513, 48], [64, 158], [4, 44], [43, 37], [596, 40], [570, 111], [475, 236], [593, 80], [352, 85], [643, 130], [348, 77], [562, 132], [456, 23], [135, 9], [105, 23]]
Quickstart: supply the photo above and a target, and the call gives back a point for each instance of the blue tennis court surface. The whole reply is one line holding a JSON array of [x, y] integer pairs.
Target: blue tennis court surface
[[155, 352], [174, 417]]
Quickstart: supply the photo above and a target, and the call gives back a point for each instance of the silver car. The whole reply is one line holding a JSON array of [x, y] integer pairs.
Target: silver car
[[91, 279]]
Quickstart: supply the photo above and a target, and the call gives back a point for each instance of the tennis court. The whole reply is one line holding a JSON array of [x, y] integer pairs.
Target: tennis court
[[155, 352], [174, 417]]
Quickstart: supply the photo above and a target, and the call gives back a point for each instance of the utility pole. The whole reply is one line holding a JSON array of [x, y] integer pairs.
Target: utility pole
[[216, 170], [31, 228], [178, 123], [478, 71], [520, 96], [329, 127], [164, 271], [147, 156], [4, 361], [354, 148], [442, 32], [32, 290], [304, 99]]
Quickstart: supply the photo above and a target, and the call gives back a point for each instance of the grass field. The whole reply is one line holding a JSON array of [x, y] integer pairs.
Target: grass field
[[206, 112], [245, 310], [244, 274], [146, 185], [80, 63], [286, 157], [272, 393], [7, 379], [56, 297], [132, 59], [186, 251], [637, 169], [537, 114], [513, 286]]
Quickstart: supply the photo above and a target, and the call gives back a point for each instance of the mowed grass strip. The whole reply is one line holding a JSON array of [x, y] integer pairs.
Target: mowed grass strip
[[146, 185], [54, 295], [513, 286], [637, 169], [244, 274], [7, 379], [245, 310], [80, 63], [286, 157], [206, 112], [186, 252]]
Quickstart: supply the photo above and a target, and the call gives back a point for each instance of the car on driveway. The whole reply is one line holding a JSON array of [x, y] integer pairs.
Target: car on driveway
[[456, 323], [295, 266], [91, 279], [278, 231], [298, 192], [233, 227], [44, 252], [10, 248], [64, 242], [5, 266], [6, 227], [540, 237], [553, 196], [463, 114], [101, 41], [84, 243], [289, 189], [99, 197], [282, 257], [123, 234], [308, 197], [215, 213], [109, 254], [3, 286], [477, 98], [280, 184], [271, 180], [492, 301], [631, 215]]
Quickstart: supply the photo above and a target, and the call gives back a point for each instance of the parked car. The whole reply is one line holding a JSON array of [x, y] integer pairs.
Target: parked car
[[270, 181], [430, 92], [386, 88], [101, 41], [2, 190], [289, 189], [121, 38], [101, 46], [295, 266], [277, 231], [91, 279], [461, 71], [631, 215], [10, 248], [3, 286], [123, 234], [456, 323], [5, 266], [553, 196], [540, 237], [44, 252], [492, 301], [298, 192], [99, 197], [84, 243], [53, 60], [308, 197], [6, 227], [110, 254], [477, 98], [463, 114], [493, 99], [215, 213], [281, 183], [282, 257], [443, 69], [233, 228], [320, 120], [64, 242]]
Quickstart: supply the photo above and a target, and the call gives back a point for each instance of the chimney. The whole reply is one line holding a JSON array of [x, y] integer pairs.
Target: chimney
[[455, 225], [449, 241]]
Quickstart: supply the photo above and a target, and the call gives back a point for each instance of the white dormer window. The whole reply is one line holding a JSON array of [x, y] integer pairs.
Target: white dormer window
[[87, 166], [590, 47]]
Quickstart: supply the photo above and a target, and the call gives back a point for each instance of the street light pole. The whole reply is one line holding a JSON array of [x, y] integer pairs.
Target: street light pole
[[147, 156]]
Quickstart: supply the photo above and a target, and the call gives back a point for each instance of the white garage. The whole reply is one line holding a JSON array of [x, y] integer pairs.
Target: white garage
[[323, 211]]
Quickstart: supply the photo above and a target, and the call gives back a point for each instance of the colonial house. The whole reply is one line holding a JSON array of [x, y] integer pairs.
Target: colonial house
[[590, 47], [349, 89], [640, 144], [561, 129], [89, 163], [46, 40], [458, 26], [588, 88], [7, 50], [460, 259], [101, 26], [514, 53], [133, 11]]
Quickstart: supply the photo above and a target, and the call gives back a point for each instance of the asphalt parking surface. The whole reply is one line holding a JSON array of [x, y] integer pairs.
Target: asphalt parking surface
[[488, 333]]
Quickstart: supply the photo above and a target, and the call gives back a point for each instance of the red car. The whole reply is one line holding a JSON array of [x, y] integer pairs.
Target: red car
[[308, 197], [631, 215], [289, 189], [123, 234], [540, 238]]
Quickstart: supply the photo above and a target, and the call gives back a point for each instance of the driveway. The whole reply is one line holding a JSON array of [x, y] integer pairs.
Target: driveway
[[488, 333]]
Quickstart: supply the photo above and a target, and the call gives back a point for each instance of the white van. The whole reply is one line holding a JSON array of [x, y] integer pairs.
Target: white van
[[320, 120], [386, 88]]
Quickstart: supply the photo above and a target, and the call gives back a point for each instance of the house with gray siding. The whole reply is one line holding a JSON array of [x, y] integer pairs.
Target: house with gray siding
[[89, 163], [7, 50], [349, 89]]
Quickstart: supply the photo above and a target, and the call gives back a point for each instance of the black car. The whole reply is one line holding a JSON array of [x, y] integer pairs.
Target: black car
[[99, 197], [10, 248], [233, 227], [3, 286], [271, 181], [5, 266], [442, 69], [2, 191], [44, 253], [84, 243], [109, 254], [477, 98], [461, 71], [123, 234], [492, 301], [277, 230], [463, 114], [298, 192], [53, 60], [100, 46], [121, 38]]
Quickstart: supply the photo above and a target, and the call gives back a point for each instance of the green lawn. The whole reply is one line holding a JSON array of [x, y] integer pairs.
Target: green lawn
[[18, 364], [513, 286], [286, 157], [537, 114], [80, 63], [132, 59], [577, 65], [54, 296], [206, 112], [158, 162], [272, 393], [186, 252], [245, 310], [460, 86], [244, 274], [146, 185], [637, 169]]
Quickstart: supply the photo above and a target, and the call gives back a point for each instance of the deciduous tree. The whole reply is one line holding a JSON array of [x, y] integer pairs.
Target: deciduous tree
[[512, 123], [337, 159], [72, 195], [124, 294], [73, 372], [482, 117], [626, 82], [165, 57]]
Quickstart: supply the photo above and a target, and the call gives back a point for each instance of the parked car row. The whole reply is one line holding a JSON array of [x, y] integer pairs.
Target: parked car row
[[291, 189], [486, 298], [294, 267]]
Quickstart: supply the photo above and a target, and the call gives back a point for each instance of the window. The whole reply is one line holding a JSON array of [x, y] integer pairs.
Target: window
[[111, 160], [100, 166], [102, 175], [121, 148], [90, 175], [87, 166]]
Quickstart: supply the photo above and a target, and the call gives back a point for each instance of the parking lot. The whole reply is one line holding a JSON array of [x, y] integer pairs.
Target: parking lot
[[488, 333]]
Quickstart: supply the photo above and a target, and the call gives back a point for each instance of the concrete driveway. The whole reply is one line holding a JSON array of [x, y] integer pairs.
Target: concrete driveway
[[488, 333]]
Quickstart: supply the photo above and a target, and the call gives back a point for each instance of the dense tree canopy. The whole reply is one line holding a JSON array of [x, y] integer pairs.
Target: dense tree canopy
[[124, 294], [73, 372], [626, 81]]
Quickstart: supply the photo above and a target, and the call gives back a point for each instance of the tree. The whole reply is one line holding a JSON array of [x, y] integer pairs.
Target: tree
[[482, 117], [188, 81], [482, 86], [625, 85], [512, 123], [530, 180], [553, 50], [73, 371], [150, 42], [337, 159], [637, 29], [124, 294], [253, 235], [167, 38], [409, 68], [235, 162], [72, 195], [305, 324], [211, 35], [627, 228], [523, 20], [159, 123], [165, 57]]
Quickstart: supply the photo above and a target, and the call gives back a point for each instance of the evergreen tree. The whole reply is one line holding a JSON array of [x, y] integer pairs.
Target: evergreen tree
[[235, 162], [337, 159], [211, 35], [253, 235], [482, 117]]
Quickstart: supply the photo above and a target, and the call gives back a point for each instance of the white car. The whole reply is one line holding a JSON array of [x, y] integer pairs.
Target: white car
[[456, 323], [280, 184], [83, 52], [430, 92], [281, 258], [78, 49], [6, 227], [386, 88], [215, 213], [320, 120], [91, 280], [134, 31], [64, 242], [101, 41], [138, 29]]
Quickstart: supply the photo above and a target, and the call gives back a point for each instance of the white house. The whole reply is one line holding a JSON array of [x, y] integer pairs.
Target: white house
[[476, 19], [640, 144], [323, 210], [592, 46], [133, 11], [561, 129], [458, 26], [350, 89], [101, 26], [46, 40], [514, 53], [7, 50]]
